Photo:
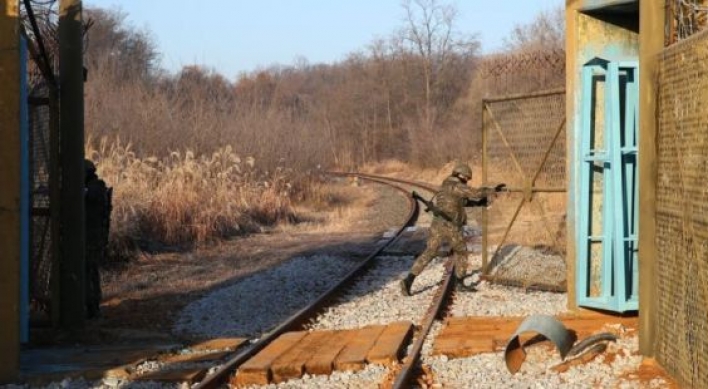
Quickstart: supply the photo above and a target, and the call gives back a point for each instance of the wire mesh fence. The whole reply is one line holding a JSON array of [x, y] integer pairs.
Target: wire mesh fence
[[682, 211], [524, 147], [39, 28], [684, 18], [523, 72], [40, 115]]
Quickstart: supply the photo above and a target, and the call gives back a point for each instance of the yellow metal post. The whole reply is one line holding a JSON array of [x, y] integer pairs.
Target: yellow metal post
[[485, 212], [71, 159], [651, 43], [571, 109], [10, 190]]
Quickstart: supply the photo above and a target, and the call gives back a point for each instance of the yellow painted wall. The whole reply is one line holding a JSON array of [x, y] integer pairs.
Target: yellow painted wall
[[586, 38], [10, 192], [651, 44]]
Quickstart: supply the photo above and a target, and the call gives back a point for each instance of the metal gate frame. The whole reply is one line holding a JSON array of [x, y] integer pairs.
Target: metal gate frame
[[529, 188], [618, 273]]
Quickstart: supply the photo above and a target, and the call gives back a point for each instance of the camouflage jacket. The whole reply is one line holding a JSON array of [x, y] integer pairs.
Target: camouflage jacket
[[454, 195]]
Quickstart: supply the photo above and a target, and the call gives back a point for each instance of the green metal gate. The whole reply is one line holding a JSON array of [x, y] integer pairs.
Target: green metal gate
[[607, 271]]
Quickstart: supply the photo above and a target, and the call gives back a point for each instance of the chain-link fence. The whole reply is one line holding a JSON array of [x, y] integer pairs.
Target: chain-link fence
[[40, 115], [523, 72], [682, 211], [39, 22], [524, 147]]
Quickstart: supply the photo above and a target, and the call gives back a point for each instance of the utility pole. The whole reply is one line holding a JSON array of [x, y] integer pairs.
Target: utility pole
[[10, 194], [72, 273]]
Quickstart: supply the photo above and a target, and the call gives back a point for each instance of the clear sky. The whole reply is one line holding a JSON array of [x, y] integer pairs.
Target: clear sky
[[234, 36]]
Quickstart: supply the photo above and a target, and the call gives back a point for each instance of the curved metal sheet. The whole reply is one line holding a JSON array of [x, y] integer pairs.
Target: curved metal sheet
[[546, 325]]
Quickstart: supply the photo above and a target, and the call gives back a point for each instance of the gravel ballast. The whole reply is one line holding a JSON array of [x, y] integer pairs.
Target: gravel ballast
[[251, 306]]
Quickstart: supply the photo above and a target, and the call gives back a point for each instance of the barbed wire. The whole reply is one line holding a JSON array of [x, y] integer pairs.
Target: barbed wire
[[500, 64], [684, 18]]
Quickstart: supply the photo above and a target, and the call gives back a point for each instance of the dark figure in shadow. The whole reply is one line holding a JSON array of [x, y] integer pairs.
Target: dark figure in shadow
[[97, 197]]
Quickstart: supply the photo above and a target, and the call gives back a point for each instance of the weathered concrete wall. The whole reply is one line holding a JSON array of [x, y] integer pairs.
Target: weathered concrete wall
[[586, 38]]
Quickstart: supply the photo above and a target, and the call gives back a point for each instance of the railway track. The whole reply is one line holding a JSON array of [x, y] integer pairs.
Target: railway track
[[459, 351], [402, 373]]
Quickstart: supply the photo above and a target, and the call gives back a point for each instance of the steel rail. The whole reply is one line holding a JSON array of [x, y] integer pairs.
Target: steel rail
[[424, 185], [442, 295], [405, 374], [296, 321]]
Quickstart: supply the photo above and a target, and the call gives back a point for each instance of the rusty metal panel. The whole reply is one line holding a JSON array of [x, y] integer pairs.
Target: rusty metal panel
[[546, 325], [682, 211]]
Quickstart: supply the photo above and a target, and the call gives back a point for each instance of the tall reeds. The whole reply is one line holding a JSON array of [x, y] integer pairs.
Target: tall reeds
[[187, 199]]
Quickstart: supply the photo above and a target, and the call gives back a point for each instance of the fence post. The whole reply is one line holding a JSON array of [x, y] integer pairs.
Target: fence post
[[71, 159], [10, 214], [485, 213], [651, 43]]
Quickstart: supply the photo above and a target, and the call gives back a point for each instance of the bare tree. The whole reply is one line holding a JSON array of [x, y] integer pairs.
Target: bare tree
[[545, 32], [117, 47], [442, 54]]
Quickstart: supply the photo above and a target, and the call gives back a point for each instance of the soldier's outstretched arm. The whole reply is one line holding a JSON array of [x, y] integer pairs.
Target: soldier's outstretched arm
[[473, 194]]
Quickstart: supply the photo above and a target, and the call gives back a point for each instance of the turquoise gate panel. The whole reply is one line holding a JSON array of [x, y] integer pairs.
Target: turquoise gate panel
[[607, 271]]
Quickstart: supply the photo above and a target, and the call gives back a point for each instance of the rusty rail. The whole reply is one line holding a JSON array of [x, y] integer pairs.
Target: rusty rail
[[296, 321], [406, 373]]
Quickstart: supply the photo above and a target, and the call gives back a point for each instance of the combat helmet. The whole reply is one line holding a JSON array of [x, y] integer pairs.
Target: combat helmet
[[463, 170], [89, 167]]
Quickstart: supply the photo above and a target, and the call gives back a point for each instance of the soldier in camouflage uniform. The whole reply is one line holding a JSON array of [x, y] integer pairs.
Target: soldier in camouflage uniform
[[98, 209], [451, 200]]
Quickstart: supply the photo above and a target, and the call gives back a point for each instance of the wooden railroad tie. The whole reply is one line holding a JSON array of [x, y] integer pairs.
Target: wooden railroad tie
[[320, 352]]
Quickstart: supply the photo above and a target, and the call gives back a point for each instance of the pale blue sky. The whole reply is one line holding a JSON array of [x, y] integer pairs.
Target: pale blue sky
[[233, 36]]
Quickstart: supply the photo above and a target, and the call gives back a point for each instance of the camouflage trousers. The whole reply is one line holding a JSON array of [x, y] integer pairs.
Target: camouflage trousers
[[442, 231]]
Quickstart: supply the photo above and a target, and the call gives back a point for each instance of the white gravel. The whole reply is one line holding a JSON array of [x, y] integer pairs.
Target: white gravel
[[497, 300], [254, 305], [489, 370], [368, 378], [376, 299]]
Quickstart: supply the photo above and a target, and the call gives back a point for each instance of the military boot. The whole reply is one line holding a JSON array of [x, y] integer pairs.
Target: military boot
[[406, 284], [461, 287]]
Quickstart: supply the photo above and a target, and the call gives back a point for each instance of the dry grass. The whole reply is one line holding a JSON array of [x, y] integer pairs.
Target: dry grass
[[148, 293], [183, 199], [187, 199]]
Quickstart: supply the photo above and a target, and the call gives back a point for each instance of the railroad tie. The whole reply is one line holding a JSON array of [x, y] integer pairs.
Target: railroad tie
[[256, 371], [388, 347], [320, 352], [323, 361], [291, 364], [353, 356]]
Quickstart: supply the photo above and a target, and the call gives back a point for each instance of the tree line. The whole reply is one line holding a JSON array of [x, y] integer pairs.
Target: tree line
[[412, 96]]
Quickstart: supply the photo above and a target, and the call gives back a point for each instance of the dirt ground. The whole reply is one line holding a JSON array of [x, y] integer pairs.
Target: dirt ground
[[141, 299]]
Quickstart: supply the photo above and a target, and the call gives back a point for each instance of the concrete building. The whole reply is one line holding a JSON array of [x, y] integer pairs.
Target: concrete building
[[637, 225]]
